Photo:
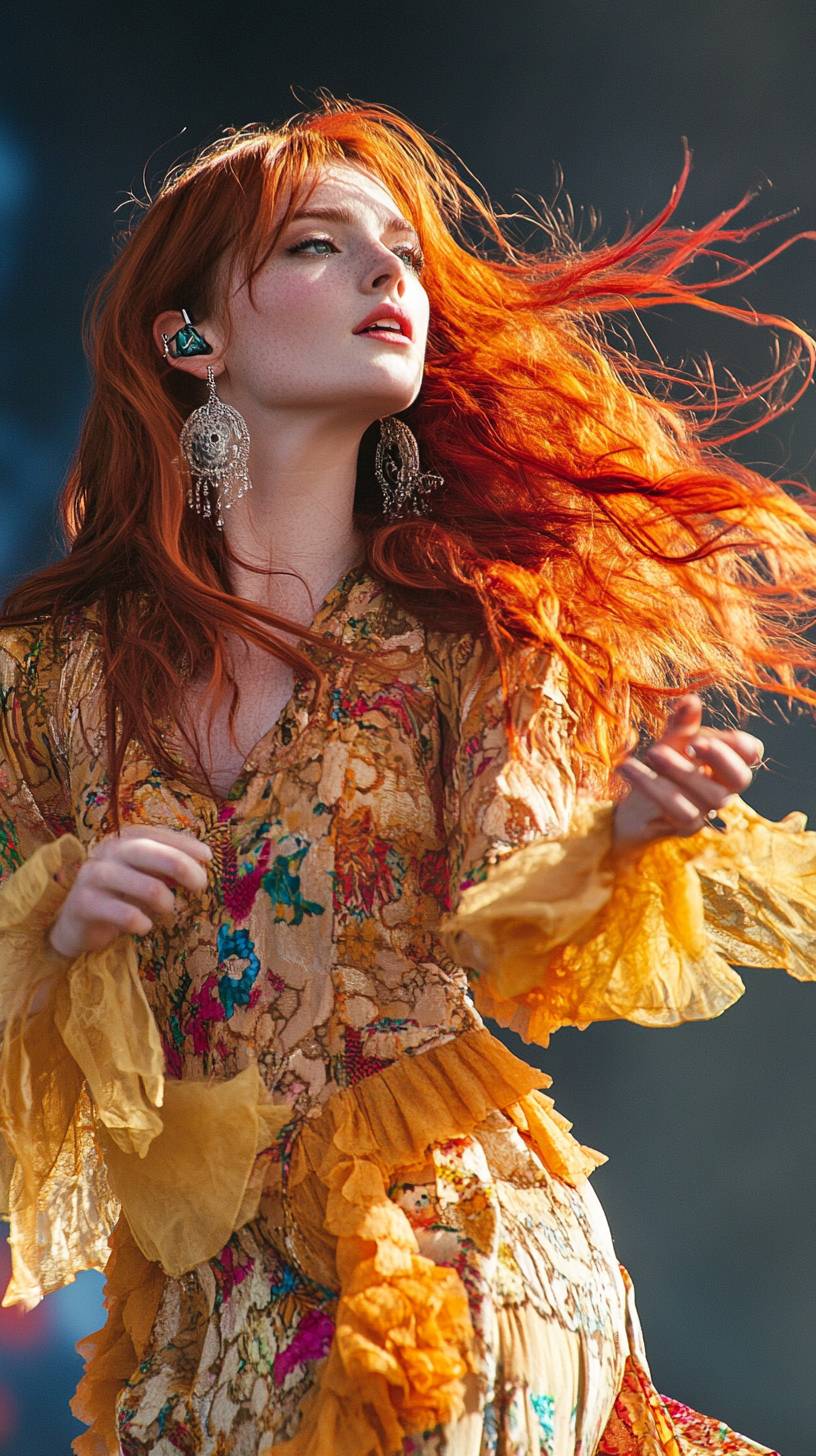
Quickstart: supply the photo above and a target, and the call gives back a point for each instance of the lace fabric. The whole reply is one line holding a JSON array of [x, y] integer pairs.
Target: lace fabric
[[218, 1113], [565, 933]]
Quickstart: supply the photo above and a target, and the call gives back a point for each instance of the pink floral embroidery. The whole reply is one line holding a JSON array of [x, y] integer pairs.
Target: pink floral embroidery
[[205, 1006], [229, 1272], [311, 1342], [240, 890], [365, 877]]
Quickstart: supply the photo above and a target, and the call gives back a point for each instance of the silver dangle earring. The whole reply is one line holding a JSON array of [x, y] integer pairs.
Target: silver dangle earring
[[405, 488], [215, 444]]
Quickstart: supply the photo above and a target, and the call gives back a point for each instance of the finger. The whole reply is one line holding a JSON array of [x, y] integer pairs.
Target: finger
[[104, 909], [163, 859], [685, 816], [703, 790], [163, 833], [724, 763], [146, 891], [685, 719], [750, 748]]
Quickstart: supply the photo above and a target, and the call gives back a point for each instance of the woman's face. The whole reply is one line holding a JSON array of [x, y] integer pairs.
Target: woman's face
[[294, 346]]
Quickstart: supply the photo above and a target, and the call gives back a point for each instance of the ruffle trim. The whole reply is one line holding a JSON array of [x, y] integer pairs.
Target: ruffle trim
[[566, 932], [403, 1341], [55, 1193], [91, 1126], [133, 1290]]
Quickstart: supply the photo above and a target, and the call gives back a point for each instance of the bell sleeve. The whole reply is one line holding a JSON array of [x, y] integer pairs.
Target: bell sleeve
[[91, 1129], [53, 1189], [554, 925]]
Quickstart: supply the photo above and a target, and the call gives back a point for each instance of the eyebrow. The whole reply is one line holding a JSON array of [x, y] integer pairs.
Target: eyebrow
[[391, 222]]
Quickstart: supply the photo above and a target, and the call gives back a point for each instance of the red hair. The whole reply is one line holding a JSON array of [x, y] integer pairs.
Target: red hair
[[581, 503]]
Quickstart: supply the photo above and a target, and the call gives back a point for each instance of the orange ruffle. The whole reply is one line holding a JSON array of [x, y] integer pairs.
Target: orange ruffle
[[403, 1339], [133, 1289], [565, 932], [403, 1342], [55, 1193]]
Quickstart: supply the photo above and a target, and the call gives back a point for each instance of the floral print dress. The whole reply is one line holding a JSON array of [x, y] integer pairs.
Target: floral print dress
[[334, 1212]]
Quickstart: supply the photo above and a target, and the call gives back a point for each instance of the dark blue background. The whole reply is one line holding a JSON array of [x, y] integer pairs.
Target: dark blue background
[[710, 1186]]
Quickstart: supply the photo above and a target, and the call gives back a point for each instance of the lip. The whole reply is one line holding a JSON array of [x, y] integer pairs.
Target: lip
[[387, 311]]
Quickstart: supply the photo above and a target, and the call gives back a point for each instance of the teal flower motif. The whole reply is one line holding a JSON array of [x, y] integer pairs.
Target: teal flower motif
[[282, 884], [10, 856], [234, 992], [544, 1407]]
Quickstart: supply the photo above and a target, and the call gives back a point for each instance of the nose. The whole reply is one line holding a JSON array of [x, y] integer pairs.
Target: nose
[[387, 269]]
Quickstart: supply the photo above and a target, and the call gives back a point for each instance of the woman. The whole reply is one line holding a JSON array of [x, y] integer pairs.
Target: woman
[[245, 1070]]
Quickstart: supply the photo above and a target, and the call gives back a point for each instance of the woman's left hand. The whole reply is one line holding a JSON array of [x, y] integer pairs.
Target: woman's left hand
[[683, 776]]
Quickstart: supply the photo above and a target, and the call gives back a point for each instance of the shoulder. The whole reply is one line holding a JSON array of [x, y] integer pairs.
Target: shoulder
[[452, 651], [36, 659], [465, 667], [26, 653]]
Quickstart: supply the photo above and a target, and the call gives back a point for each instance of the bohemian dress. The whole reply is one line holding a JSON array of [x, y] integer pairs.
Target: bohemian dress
[[335, 1214]]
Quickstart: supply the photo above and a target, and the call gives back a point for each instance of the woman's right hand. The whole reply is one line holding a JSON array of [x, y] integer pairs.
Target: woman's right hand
[[125, 883]]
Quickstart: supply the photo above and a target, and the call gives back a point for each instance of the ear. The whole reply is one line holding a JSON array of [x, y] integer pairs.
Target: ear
[[169, 322]]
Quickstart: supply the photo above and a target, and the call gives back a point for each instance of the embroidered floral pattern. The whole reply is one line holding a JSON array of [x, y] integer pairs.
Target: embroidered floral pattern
[[313, 954]]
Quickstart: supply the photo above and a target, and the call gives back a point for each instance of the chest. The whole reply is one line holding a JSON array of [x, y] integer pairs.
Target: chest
[[265, 688]]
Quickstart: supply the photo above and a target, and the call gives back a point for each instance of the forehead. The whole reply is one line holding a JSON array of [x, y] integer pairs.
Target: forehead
[[343, 185]]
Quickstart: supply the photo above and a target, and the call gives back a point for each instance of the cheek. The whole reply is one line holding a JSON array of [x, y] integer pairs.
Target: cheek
[[296, 322], [421, 310], [297, 303]]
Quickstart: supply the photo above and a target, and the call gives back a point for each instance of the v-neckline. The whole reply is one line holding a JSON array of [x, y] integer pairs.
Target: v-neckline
[[249, 764]]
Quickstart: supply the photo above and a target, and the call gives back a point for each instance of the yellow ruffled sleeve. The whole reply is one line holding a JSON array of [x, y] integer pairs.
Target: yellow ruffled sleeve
[[91, 1127], [557, 929], [91, 1124]]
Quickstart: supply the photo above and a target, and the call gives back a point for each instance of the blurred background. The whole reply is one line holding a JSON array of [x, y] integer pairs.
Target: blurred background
[[710, 1187]]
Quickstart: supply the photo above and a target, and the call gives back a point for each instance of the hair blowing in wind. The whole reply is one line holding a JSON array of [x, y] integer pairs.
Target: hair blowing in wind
[[584, 499]]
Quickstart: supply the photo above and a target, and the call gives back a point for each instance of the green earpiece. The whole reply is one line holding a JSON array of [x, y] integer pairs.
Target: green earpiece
[[188, 340]]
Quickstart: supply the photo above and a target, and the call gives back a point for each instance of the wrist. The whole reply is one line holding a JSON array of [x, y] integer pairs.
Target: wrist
[[627, 840]]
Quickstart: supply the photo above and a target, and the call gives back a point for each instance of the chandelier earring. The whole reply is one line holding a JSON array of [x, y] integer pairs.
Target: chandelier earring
[[406, 489], [215, 445]]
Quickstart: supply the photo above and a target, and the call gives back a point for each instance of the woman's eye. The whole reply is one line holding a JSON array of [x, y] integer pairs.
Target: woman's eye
[[308, 243], [416, 258], [413, 256]]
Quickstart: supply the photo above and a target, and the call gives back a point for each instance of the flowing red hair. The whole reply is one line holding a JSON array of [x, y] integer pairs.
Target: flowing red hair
[[584, 508]]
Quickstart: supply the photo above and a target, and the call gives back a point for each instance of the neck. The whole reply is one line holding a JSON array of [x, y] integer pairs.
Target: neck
[[298, 515]]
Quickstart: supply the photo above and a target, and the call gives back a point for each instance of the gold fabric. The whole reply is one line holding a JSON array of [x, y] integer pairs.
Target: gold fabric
[[404, 1336], [564, 933], [279, 1112], [176, 1156]]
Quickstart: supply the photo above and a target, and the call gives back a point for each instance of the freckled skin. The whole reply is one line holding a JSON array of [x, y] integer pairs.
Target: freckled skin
[[308, 388], [296, 348], [306, 385]]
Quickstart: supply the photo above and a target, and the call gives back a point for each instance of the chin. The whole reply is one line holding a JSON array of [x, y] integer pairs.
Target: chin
[[396, 394]]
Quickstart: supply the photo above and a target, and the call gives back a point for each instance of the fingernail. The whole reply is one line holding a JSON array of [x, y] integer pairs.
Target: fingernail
[[208, 851]]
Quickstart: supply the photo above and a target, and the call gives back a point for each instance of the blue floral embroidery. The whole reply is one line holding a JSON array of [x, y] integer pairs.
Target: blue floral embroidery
[[544, 1407], [234, 992], [282, 884], [490, 1429]]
